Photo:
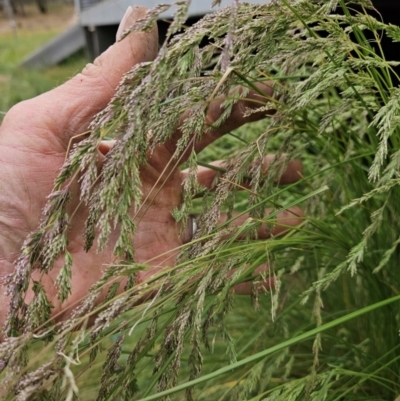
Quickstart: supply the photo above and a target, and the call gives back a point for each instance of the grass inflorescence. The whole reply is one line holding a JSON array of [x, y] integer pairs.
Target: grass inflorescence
[[328, 330]]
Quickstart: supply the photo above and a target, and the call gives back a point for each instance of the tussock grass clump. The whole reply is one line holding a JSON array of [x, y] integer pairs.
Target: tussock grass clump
[[329, 328]]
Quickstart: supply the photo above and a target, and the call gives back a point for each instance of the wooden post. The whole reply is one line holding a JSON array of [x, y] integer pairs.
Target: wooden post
[[10, 14]]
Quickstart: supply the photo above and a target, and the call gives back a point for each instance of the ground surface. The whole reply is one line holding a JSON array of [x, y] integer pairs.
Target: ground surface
[[59, 17]]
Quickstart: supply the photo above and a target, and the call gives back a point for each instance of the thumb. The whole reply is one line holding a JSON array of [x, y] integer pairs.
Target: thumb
[[67, 110]]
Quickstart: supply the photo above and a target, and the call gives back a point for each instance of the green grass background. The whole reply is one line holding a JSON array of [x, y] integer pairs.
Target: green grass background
[[16, 83]]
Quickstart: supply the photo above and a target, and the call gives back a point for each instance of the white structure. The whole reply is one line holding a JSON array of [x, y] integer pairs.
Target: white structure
[[99, 13], [98, 24]]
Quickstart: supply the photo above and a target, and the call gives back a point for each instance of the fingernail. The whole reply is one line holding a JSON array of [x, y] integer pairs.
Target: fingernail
[[124, 23]]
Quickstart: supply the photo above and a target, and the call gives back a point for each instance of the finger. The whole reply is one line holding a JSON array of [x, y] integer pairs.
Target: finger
[[68, 109], [208, 177], [278, 225], [236, 119], [264, 282]]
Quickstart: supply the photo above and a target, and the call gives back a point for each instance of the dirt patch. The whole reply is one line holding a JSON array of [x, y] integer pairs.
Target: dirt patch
[[59, 17]]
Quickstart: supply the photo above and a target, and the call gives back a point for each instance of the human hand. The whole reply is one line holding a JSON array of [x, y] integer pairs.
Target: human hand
[[34, 139]]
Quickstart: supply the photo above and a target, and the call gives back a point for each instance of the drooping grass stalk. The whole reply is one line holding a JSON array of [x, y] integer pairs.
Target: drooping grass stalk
[[271, 350]]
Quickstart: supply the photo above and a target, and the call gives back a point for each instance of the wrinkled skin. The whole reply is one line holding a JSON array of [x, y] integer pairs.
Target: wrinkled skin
[[34, 139]]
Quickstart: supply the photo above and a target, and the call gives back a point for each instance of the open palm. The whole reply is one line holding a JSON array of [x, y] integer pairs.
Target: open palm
[[34, 139]]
